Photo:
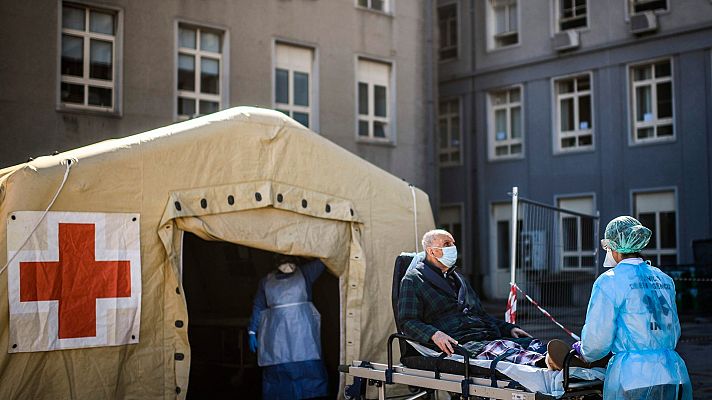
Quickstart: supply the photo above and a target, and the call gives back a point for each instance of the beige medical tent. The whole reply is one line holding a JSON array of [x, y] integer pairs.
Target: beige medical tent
[[245, 175]]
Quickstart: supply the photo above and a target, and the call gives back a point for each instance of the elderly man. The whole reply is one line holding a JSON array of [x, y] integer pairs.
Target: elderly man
[[437, 305]]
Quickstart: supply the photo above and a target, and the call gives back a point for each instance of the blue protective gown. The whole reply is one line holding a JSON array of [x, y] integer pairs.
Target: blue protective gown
[[632, 313], [288, 380]]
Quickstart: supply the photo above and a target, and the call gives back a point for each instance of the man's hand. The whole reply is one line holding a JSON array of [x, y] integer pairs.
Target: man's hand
[[517, 333], [444, 342]]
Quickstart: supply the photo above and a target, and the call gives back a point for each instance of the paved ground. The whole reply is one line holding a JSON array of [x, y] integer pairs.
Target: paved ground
[[695, 347]]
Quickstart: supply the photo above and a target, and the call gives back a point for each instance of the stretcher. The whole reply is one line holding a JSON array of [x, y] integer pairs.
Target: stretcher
[[425, 372], [474, 382]]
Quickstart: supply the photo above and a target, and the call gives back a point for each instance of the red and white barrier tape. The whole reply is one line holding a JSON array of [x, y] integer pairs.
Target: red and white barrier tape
[[543, 311]]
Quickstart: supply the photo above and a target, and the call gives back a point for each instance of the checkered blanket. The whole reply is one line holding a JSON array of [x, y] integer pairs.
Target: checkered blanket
[[528, 355]]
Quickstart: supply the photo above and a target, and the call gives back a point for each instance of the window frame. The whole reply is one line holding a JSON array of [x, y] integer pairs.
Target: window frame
[[391, 111], [491, 108], [556, 115], [117, 60], [494, 244], [630, 7], [579, 252], [558, 18], [455, 46], [491, 25], [313, 108], [224, 70], [451, 149], [632, 123], [658, 252], [387, 6]]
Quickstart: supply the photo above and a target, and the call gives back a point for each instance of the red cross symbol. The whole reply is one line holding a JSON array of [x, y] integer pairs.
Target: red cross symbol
[[77, 280]]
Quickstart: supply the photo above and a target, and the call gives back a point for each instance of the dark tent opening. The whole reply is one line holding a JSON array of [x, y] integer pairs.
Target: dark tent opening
[[220, 280]]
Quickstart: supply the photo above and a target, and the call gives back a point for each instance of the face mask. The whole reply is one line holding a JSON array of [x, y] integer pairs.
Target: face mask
[[287, 268], [449, 256], [609, 262]]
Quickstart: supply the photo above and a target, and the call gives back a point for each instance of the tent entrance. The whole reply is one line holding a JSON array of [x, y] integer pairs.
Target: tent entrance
[[220, 280]]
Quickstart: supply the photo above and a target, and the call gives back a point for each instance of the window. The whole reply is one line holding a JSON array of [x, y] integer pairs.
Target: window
[[652, 108], [639, 6], [503, 246], [574, 123], [200, 77], [373, 80], [451, 220], [88, 54], [572, 14], [501, 219], [447, 23], [293, 82], [577, 233], [505, 124], [378, 5], [656, 211], [503, 23], [449, 129]]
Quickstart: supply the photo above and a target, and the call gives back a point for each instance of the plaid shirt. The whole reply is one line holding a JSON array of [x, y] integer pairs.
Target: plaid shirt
[[427, 304]]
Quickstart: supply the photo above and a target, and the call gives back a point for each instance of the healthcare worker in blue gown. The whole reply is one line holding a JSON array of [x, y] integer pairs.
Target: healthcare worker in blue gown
[[285, 332], [632, 313]]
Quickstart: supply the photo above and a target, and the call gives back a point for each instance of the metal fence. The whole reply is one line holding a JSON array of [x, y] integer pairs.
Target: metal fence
[[693, 286], [555, 262]]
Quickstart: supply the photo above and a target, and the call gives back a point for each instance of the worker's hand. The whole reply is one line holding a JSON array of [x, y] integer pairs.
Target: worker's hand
[[253, 342], [444, 342], [577, 346], [517, 333]]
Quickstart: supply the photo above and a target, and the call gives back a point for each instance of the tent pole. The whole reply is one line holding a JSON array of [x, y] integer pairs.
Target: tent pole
[[415, 216]]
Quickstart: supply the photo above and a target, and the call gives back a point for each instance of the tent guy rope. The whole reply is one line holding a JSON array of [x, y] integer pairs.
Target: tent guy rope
[[69, 162]]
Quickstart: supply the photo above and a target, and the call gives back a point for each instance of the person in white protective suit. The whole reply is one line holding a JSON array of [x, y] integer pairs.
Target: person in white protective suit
[[285, 332], [632, 313]]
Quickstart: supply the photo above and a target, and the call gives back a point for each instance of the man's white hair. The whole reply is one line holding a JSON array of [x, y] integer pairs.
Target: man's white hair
[[430, 236]]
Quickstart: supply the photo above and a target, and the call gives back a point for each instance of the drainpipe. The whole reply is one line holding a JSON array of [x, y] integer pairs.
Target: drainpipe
[[477, 257]]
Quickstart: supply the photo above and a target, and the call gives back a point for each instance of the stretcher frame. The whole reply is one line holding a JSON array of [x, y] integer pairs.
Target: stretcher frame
[[382, 375]]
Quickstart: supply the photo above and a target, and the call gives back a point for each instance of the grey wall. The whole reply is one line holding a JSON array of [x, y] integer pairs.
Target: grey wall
[[31, 125]]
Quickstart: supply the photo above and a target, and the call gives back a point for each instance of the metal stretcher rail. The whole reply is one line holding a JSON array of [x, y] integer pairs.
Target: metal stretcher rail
[[457, 348], [381, 375], [376, 373]]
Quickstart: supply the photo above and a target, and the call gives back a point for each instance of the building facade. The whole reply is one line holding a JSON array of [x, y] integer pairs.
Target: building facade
[[593, 106], [355, 71]]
